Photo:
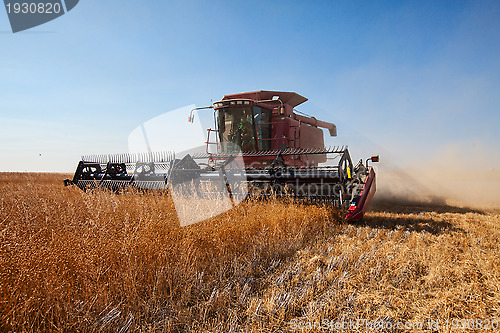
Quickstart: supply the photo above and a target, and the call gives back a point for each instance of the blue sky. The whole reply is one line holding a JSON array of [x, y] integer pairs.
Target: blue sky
[[405, 79]]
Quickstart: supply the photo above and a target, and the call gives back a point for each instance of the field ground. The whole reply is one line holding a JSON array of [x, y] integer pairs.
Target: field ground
[[74, 261]]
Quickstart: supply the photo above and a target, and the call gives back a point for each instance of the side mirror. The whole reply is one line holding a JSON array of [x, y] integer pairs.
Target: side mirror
[[191, 115], [374, 158]]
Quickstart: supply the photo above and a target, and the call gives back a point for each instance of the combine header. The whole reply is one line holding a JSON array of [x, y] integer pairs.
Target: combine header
[[263, 147]]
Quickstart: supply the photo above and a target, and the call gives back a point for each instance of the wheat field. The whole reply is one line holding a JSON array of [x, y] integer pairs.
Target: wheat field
[[98, 262]]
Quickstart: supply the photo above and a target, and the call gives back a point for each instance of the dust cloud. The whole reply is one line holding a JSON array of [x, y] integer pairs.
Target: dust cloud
[[458, 176]]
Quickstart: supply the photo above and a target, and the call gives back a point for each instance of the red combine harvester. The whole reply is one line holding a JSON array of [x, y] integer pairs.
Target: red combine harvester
[[263, 147]]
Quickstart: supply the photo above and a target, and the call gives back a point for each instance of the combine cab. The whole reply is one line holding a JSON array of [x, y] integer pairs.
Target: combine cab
[[259, 146]]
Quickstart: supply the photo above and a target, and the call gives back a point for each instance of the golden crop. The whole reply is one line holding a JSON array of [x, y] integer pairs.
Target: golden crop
[[90, 262]]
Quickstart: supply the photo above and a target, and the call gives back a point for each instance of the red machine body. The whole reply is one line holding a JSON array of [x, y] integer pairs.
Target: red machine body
[[279, 128], [289, 130]]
